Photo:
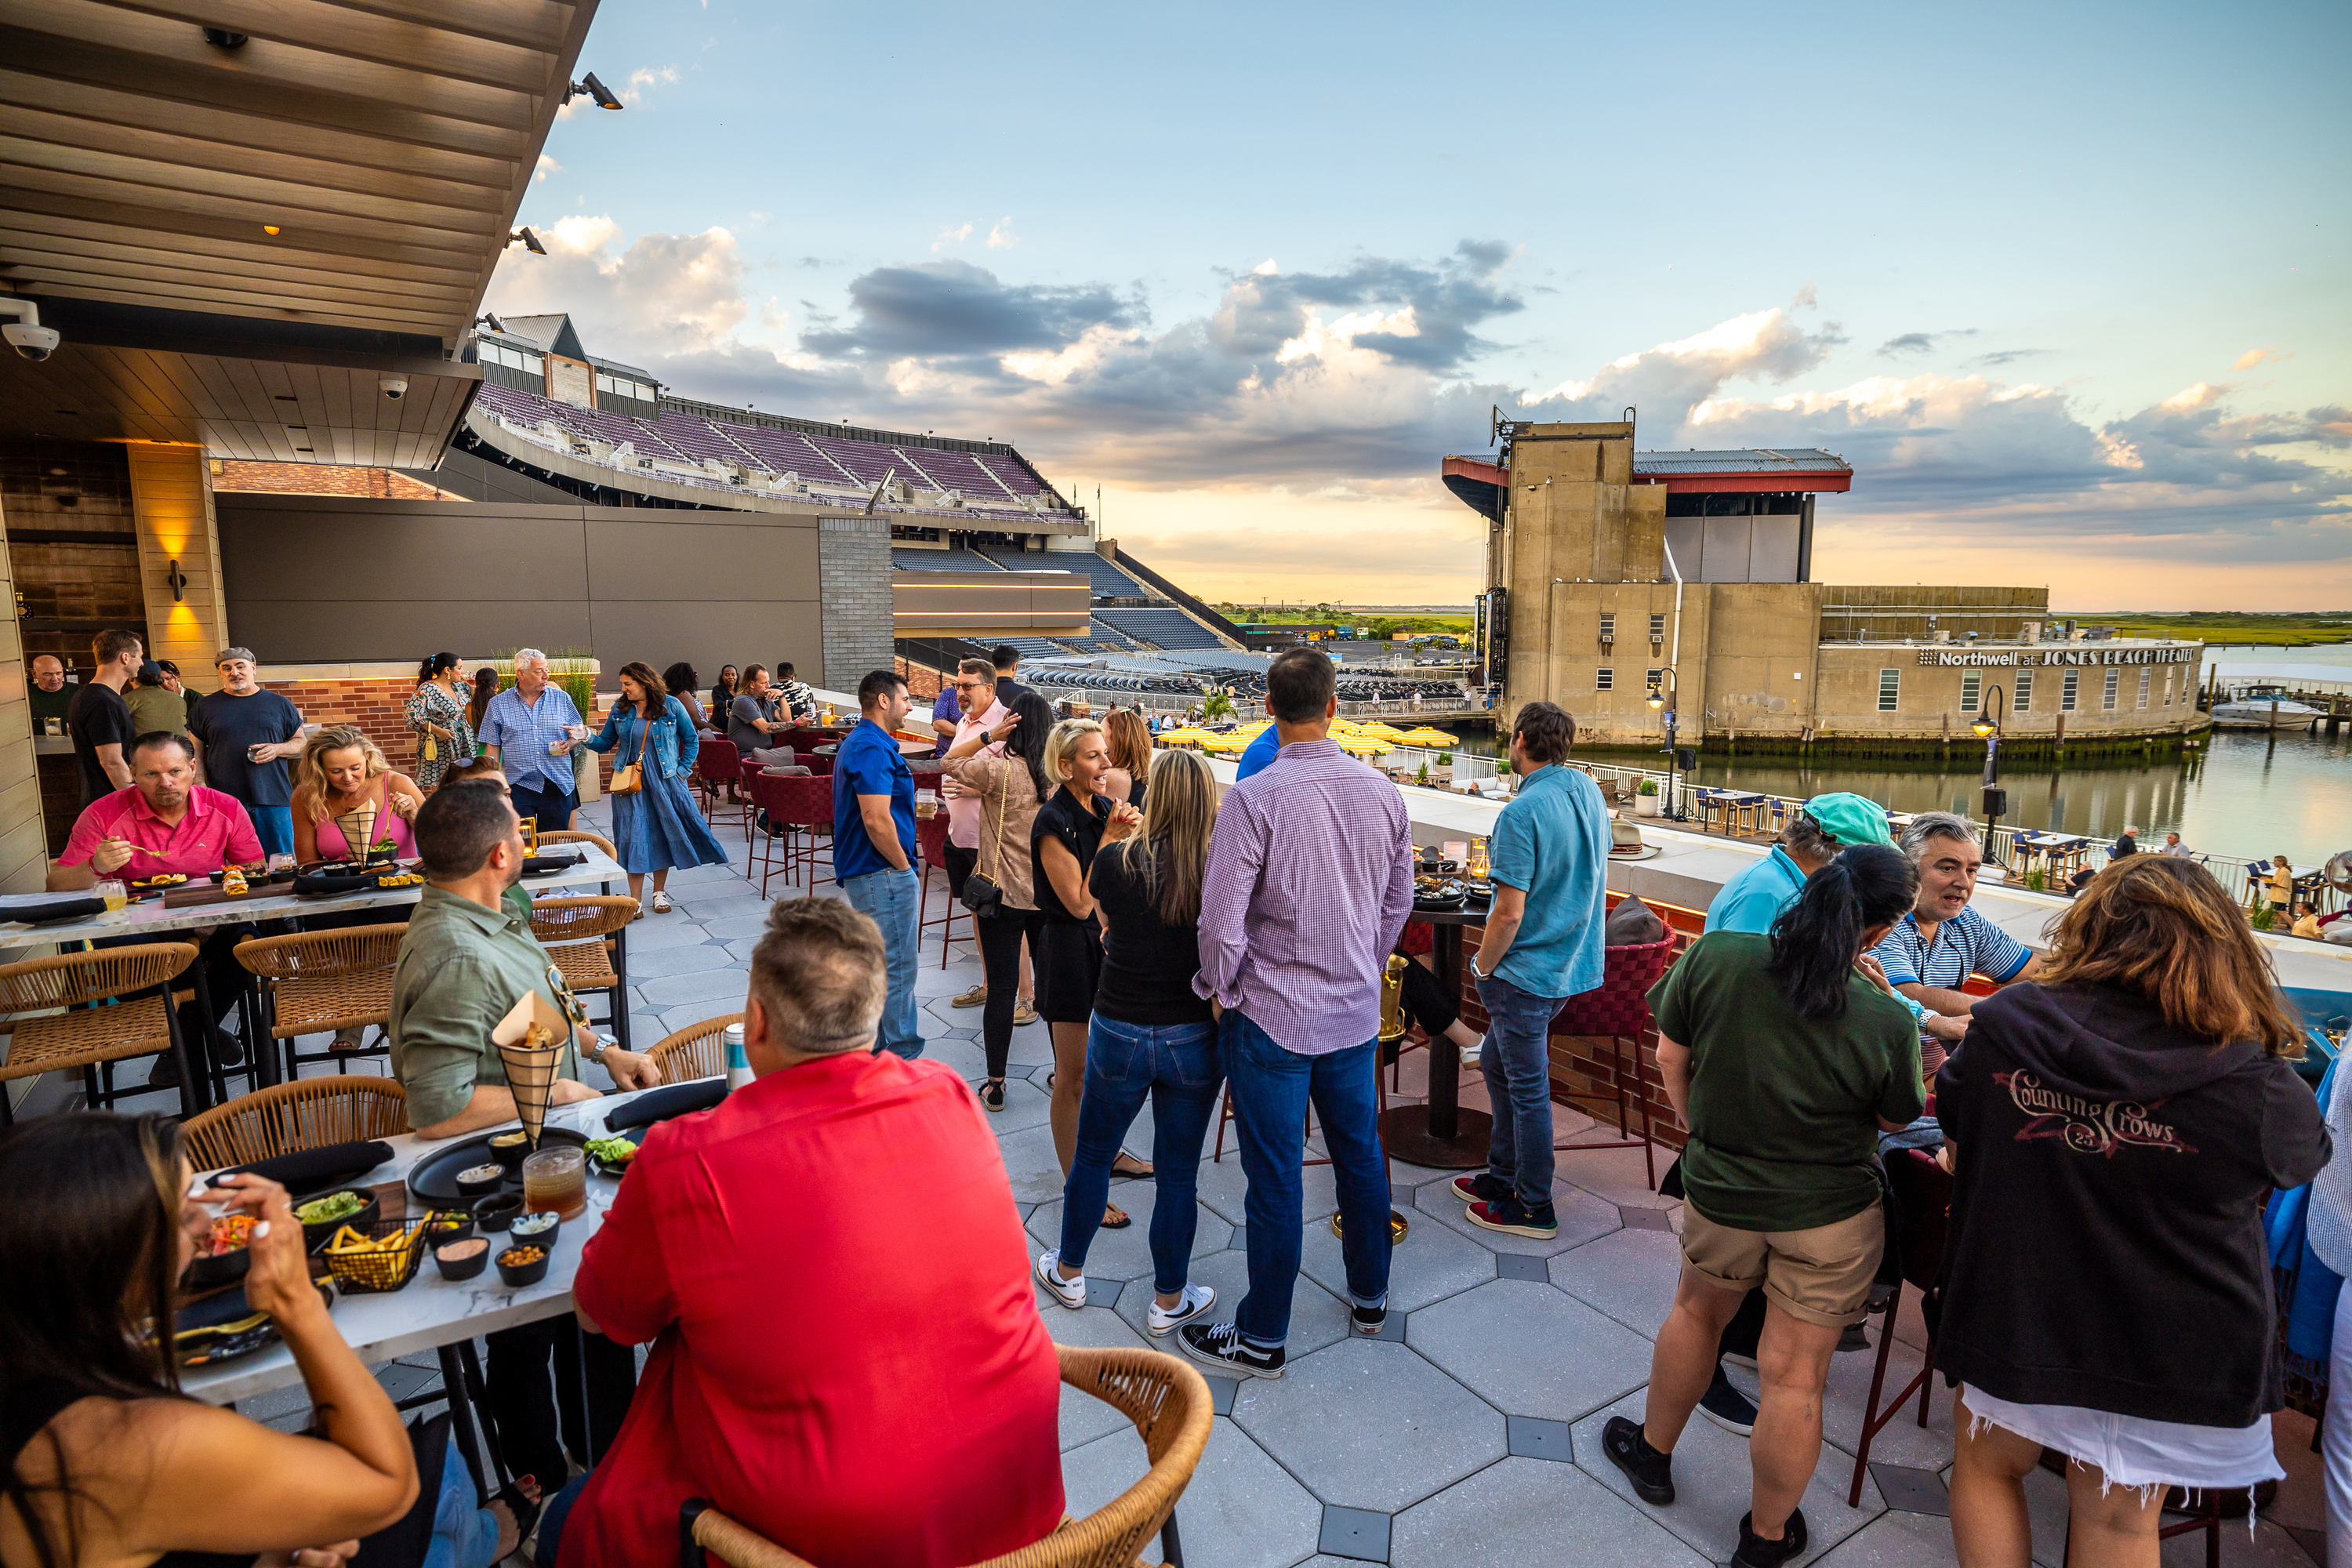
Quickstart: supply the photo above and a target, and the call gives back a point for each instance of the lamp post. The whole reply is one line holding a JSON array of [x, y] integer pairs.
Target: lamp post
[[1988, 730], [1658, 699]]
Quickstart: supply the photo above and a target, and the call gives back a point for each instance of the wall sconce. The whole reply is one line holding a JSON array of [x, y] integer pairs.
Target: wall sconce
[[177, 579]]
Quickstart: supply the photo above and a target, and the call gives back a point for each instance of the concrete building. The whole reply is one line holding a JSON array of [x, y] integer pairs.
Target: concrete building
[[1611, 571]]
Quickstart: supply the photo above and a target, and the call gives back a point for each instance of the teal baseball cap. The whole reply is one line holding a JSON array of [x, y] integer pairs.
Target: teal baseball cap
[[1850, 818]]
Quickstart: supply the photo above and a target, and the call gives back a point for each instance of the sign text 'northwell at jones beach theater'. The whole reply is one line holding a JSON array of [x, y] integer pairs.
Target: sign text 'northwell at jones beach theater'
[[2182, 654]]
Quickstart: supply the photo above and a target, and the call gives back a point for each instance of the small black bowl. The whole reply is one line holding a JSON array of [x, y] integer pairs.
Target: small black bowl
[[210, 1272], [495, 1213], [538, 1228], [445, 1225], [511, 1155], [522, 1274], [462, 1268], [475, 1186], [317, 1234]]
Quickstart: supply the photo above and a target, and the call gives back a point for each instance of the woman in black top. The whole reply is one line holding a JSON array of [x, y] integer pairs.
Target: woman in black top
[[106, 1460], [1150, 1035], [1075, 820], [2114, 1130]]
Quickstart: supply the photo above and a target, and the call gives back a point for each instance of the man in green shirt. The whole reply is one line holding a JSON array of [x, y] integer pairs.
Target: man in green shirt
[[467, 958]]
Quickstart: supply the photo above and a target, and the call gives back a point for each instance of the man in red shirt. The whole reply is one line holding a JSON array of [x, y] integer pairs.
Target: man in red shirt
[[858, 1390], [182, 827]]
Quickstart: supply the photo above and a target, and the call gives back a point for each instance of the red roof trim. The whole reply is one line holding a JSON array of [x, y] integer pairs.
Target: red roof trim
[[1476, 469]]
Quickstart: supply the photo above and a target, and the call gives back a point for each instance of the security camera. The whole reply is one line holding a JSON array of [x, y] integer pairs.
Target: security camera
[[25, 334], [393, 386]]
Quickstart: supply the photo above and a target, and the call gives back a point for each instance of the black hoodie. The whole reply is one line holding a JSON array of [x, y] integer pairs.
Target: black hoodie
[[2106, 1248]]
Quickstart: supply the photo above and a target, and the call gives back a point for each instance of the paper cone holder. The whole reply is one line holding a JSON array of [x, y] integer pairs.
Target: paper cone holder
[[531, 1073]]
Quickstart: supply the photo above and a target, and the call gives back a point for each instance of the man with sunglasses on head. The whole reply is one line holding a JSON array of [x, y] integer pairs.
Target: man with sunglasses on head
[[467, 958]]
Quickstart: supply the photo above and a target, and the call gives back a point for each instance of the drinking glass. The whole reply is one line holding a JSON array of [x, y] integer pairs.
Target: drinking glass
[[556, 1179]]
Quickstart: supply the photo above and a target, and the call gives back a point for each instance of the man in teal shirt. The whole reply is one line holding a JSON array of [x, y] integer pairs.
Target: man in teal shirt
[[1543, 944], [1826, 823]]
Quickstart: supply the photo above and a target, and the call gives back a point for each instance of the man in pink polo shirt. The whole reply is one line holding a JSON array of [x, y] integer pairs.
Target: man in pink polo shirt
[[184, 828], [976, 690]]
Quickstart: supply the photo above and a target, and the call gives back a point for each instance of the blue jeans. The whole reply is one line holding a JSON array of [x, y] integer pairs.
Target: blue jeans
[[1518, 1065], [551, 808], [1272, 1088], [465, 1534], [552, 1517], [1177, 1066], [274, 826], [887, 897]]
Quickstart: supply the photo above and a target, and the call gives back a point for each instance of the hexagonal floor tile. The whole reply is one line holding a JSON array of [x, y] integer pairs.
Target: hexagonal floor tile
[[1240, 1510], [1126, 1254], [1084, 1417], [1224, 1187], [1616, 1175], [1896, 1541], [1433, 1264], [1901, 1441], [1582, 1217], [1714, 1486], [1369, 1425], [1317, 1317], [655, 932], [1528, 1513], [1032, 1164], [680, 958], [1629, 1274], [1530, 1350]]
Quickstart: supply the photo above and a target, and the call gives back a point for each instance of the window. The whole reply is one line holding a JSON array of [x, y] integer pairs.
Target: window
[[1971, 690], [1658, 628], [513, 359], [2068, 689], [2146, 676], [1890, 690], [1656, 681], [2107, 696], [2167, 688], [1608, 628], [2022, 699], [1604, 678]]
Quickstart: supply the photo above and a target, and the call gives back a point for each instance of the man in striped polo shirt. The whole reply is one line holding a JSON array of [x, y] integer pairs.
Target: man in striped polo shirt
[[1932, 951]]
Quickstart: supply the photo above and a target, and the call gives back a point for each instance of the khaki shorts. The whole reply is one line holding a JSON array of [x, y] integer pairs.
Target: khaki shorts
[[1820, 1276]]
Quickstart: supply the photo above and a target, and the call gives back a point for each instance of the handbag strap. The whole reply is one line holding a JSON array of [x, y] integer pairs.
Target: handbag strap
[[996, 833]]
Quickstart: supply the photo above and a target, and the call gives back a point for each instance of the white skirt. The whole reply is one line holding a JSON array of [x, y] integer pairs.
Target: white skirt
[[2134, 1451]]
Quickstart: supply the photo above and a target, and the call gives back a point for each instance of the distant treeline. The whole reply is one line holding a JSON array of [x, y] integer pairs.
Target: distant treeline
[[2294, 628]]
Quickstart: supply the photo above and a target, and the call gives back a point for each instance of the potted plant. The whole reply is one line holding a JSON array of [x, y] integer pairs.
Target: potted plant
[[1423, 777], [1217, 708], [1645, 798], [2263, 917]]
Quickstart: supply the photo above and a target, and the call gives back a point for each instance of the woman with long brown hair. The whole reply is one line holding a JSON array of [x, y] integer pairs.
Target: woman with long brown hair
[[107, 1462], [654, 824], [1129, 740], [2116, 1129]]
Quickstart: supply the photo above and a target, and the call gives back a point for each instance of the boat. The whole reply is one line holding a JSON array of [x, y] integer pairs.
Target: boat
[[2265, 714]]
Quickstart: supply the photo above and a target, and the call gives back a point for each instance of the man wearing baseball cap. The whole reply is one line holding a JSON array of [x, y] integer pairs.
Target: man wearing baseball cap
[[249, 733]]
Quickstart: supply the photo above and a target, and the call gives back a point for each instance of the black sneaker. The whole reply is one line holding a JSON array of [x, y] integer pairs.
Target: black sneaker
[[1651, 1473], [1854, 1339], [227, 1049], [1512, 1218], [165, 1073], [1727, 1406], [992, 1093], [1756, 1554], [1219, 1345], [1368, 1320], [1486, 1187]]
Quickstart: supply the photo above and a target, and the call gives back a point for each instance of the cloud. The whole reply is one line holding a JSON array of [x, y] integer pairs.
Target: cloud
[[2000, 357], [1920, 343], [1001, 236], [948, 237], [547, 166], [644, 79], [661, 295], [952, 309], [2254, 357]]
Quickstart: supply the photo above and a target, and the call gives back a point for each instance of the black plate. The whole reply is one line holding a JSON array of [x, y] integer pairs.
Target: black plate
[[1437, 906], [634, 1134], [221, 1328], [434, 1179], [548, 865]]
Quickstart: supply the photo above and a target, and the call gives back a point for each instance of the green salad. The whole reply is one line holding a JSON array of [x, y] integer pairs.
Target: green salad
[[333, 1206], [613, 1152]]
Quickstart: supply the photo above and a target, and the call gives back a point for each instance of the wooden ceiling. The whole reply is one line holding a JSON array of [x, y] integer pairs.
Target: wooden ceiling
[[389, 142]]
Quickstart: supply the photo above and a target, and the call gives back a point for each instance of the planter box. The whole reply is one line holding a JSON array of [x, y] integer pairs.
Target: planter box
[[1646, 805]]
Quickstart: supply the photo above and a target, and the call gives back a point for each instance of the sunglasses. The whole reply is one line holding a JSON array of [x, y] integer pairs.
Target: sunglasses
[[573, 1008]]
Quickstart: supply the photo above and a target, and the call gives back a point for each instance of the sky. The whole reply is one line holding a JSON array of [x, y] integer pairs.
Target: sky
[[2067, 284]]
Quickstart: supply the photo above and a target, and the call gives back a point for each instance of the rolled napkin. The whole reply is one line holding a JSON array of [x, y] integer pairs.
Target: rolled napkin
[[661, 1104], [38, 909], [315, 1169], [542, 865]]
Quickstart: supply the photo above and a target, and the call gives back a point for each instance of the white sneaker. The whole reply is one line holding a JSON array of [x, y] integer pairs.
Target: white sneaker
[[1196, 1299], [1471, 1052], [1070, 1293]]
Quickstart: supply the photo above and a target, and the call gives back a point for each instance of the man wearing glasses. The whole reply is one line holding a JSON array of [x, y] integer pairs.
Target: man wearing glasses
[[467, 958]]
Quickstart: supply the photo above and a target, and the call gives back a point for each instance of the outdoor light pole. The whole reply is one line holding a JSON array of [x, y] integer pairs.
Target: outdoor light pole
[[1988, 729], [1660, 698]]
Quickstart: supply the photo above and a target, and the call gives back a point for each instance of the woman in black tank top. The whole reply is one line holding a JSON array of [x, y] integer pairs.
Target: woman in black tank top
[[92, 1239]]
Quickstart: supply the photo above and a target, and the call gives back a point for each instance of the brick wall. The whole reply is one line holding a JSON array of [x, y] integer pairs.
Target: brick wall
[[379, 706], [922, 681], [323, 480], [854, 572]]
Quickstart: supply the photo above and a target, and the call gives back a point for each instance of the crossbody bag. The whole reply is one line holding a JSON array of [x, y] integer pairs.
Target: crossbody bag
[[630, 778], [983, 894]]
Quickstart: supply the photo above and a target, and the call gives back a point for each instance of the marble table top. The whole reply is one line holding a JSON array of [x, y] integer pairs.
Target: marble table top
[[430, 1311]]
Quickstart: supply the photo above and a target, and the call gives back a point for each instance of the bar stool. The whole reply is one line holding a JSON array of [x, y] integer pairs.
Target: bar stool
[[316, 1113], [805, 806], [82, 1009], [315, 983], [577, 935], [932, 841], [698, 1051], [716, 763], [1618, 1011], [761, 787]]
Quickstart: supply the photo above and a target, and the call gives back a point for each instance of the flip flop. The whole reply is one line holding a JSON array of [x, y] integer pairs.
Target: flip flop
[[525, 1509], [1140, 1170], [1121, 1223]]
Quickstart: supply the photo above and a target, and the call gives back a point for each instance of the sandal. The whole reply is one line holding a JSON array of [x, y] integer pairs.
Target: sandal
[[992, 1094], [523, 1505], [1116, 1218], [1136, 1168], [661, 903]]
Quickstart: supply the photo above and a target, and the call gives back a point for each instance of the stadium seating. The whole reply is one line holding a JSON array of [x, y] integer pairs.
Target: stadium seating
[[1108, 580], [941, 560], [1168, 628]]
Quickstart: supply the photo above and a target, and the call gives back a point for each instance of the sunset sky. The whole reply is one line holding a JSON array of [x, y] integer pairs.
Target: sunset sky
[[2068, 286]]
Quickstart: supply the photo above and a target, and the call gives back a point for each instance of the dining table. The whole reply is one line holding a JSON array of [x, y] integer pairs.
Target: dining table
[[1440, 1135], [2060, 852], [151, 919]]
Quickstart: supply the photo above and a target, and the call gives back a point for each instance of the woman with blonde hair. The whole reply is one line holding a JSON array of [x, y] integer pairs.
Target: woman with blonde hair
[[2116, 1129], [1149, 1035], [1129, 739], [1075, 820], [342, 772]]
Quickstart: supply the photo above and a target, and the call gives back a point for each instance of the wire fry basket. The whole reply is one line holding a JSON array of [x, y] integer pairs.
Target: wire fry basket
[[381, 1271]]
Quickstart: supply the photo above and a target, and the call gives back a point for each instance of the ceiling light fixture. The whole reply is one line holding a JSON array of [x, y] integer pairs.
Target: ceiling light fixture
[[528, 239], [589, 87]]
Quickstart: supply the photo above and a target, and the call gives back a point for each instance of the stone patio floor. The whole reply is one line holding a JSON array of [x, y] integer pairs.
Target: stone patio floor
[[1469, 1433]]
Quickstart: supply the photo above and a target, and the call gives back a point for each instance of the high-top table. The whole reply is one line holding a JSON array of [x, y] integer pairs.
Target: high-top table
[[1441, 1135]]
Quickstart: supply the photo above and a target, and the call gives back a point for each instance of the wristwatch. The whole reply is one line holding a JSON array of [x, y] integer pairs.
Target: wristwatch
[[595, 1051], [1477, 972]]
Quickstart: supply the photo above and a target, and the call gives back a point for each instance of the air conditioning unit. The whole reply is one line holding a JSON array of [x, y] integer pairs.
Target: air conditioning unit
[[1608, 636]]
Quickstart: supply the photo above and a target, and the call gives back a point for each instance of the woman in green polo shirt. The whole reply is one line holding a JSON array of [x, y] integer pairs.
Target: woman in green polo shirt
[[1784, 1061]]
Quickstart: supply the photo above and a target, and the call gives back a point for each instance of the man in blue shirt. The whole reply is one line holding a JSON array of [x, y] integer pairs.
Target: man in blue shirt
[[1544, 943], [1826, 823], [530, 730], [1259, 755], [874, 845], [1932, 951]]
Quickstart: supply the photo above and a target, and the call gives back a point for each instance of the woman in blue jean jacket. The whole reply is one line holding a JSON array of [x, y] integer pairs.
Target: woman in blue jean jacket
[[1150, 1035], [655, 828]]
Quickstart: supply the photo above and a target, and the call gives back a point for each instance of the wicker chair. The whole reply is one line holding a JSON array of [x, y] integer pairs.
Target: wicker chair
[[315, 983], [1166, 1399], [280, 1120], [698, 1051], [82, 1009], [577, 935], [1618, 1011]]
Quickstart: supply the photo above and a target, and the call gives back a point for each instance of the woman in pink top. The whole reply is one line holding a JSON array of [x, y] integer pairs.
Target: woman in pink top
[[342, 772]]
